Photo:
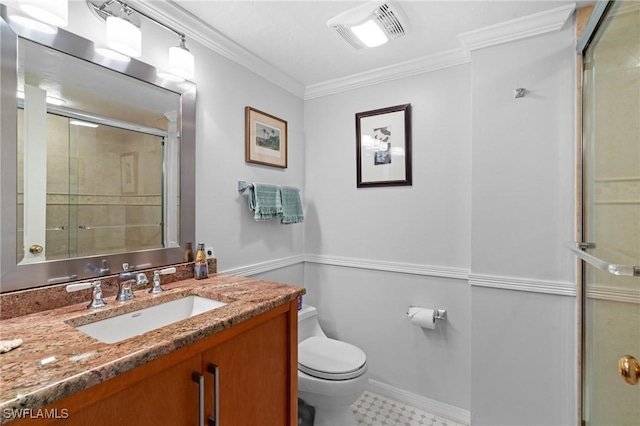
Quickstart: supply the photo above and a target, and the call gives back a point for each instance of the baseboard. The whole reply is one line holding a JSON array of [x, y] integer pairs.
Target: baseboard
[[418, 401]]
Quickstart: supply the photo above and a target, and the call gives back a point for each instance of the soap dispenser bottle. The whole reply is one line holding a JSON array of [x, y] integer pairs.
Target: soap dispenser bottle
[[201, 266]]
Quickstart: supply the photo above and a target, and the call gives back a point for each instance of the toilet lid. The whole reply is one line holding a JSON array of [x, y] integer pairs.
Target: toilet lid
[[330, 359]]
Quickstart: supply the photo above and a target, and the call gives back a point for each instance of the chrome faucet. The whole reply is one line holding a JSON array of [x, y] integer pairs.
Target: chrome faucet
[[125, 280]]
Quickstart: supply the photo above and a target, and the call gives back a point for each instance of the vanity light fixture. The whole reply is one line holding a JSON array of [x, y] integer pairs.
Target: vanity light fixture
[[370, 24], [181, 61], [124, 36], [53, 12]]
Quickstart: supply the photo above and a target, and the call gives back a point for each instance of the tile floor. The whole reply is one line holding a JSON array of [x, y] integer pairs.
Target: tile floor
[[376, 410]]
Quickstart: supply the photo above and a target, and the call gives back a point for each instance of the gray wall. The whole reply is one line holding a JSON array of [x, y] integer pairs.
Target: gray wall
[[224, 88], [523, 166], [427, 223], [479, 233]]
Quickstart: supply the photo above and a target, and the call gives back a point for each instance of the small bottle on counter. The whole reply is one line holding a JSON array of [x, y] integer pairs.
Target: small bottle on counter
[[201, 267], [188, 252]]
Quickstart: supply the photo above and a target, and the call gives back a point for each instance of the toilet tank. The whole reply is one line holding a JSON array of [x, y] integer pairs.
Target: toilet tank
[[308, 325]]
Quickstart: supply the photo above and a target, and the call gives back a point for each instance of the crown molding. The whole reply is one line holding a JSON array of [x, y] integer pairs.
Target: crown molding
[[528, 26], [421, 65], [197, 30]]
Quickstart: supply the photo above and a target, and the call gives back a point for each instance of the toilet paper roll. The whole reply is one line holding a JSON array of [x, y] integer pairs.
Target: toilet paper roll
[[422, 317]]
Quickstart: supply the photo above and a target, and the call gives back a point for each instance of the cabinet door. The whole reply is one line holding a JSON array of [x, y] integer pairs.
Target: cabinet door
[[167, 397], [253, 376]]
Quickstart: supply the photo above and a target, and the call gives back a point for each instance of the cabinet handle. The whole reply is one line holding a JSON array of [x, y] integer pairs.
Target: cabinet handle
[[215, 420], [199, 379]]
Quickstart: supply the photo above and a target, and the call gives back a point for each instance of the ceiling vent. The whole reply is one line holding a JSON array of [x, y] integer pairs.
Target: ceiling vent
[[382, 20]]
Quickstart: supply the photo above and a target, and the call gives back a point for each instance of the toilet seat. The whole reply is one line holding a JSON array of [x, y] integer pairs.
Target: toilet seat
[[330, 359]]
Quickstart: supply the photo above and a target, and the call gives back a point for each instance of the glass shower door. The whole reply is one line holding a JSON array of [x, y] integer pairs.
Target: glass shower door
[[611, 219]]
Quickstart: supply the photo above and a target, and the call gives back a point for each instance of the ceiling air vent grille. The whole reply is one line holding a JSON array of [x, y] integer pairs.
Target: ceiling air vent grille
[[389, 21], [387, 15], [348, 35]]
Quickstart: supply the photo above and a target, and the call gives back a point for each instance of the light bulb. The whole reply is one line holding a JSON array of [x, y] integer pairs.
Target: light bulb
[[370, 34], [124, 37], [181, 61]]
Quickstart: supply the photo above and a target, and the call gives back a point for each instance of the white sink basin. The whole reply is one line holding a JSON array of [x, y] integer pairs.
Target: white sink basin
[[121, 327]]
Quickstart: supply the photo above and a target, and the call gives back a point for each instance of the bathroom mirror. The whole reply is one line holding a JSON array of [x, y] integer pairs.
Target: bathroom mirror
[[97, 160]]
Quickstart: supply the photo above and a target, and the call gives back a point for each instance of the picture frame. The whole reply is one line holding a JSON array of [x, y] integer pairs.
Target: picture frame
[[383, 147], [129, 172], [266, 139]]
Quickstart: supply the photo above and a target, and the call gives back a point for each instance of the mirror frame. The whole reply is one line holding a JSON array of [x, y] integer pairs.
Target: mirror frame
[[15, 277]]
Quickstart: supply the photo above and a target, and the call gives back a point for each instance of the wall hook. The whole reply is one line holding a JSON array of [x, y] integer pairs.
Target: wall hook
[[519, 92]]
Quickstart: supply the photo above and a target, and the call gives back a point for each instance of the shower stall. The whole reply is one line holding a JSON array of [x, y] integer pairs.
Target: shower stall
[[610, 246]]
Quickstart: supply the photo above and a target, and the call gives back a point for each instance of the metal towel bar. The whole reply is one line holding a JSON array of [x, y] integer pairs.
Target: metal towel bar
[[603, 265], [242, 185]]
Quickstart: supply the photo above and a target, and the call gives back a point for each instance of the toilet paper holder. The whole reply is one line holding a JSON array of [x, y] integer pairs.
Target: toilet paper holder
[[439, 314]]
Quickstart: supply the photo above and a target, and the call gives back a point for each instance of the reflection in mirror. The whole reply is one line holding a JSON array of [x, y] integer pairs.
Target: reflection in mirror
[[102, 170], [103, 191]]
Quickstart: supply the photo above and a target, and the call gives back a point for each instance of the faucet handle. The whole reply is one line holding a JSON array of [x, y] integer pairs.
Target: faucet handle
[[96, 301], [156, 289], [76, 287]]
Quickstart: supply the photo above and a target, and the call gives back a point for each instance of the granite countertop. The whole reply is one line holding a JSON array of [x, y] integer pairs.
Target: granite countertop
[[55, 360]]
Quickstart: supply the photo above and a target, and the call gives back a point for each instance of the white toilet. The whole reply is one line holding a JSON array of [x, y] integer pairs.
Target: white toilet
[[331, 374]]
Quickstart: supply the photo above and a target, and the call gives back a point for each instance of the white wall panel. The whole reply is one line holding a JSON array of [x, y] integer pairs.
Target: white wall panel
[[368, 308], [523, 165]]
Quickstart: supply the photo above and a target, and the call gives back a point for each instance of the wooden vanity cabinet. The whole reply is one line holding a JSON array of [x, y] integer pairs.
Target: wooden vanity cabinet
[[257, 382], [253, 376]]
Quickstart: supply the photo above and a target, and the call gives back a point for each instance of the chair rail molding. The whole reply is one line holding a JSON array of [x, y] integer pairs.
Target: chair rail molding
[[560, 288]]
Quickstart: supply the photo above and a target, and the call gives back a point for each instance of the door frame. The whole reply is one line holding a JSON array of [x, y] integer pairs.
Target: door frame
[[593, 15]]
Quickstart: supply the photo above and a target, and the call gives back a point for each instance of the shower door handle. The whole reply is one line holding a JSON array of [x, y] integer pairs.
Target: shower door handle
[[629, 369], [603, 265]]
